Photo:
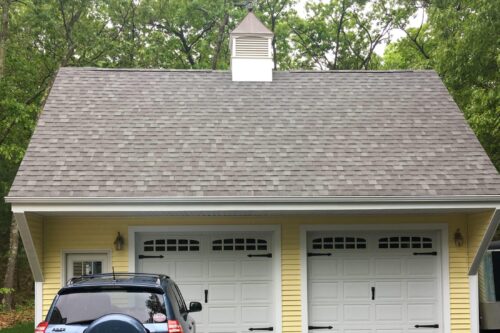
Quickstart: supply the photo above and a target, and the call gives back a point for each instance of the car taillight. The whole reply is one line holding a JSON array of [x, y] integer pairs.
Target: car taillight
[[42, 327], [174, 327]]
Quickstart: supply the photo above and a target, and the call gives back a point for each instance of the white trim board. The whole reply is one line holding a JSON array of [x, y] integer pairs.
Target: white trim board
[[38, 302], [29, 246], [252, 205], [442, 228], [474, 303], [275, 229]]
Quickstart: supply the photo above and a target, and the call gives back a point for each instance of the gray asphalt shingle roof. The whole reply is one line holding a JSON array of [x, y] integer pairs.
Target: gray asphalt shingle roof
[[160, 133]]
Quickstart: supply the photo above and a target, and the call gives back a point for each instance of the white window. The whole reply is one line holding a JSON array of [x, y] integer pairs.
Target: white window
[[78, 264]]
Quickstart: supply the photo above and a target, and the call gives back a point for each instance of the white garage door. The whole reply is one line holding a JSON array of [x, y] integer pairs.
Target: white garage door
[[230, 274], [384, 282]]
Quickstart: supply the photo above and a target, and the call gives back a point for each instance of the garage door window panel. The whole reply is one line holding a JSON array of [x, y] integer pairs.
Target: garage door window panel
[[338, 243], [172, 245], [239, 244], [405, 242]]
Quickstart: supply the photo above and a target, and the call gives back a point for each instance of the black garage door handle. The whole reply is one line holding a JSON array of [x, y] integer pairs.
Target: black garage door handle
[[261, 329], [427, 326], [320, 327]]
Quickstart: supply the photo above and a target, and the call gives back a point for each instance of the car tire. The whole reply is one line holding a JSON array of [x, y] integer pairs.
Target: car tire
[[116, 323]]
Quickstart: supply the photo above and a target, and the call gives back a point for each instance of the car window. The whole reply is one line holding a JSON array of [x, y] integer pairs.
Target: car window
[[82, 307], [180, 300]]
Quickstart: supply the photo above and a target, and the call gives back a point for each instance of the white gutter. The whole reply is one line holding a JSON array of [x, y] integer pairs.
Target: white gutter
[[227, 205], [261, 199]]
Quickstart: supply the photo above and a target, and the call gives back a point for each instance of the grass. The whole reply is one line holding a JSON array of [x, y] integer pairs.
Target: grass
[[27, 327]]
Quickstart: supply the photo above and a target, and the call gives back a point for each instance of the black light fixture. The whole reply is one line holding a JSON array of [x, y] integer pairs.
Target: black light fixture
[[119, 242], [459, 238]]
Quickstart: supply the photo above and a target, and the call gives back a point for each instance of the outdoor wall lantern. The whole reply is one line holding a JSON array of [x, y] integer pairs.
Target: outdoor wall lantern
[[459, 238], [119, 242]]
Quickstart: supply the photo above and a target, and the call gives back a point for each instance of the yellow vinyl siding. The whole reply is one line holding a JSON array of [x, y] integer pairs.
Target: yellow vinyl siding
[[98, 233]]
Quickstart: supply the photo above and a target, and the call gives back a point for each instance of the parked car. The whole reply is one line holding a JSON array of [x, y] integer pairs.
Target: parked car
[[121, 303]]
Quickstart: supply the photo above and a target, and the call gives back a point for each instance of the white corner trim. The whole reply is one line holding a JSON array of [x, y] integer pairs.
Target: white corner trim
[[38, 302], [442, 228], [485, 242], [275, 229], [474, 303], [29, 246]]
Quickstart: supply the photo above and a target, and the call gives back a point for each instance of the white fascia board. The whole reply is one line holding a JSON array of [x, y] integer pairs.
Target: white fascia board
[[251, 204], [266, 199]]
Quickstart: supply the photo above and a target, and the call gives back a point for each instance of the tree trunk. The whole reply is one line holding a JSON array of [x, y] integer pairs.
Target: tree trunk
[[4, 34], [220, 40], [8, 282]]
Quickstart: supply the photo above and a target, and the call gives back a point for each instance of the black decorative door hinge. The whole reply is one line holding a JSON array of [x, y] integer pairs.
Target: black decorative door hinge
[[313, 254], [261, 329], [427, 326], [267, 255], [320, 327], [141, 256], [433, 253]]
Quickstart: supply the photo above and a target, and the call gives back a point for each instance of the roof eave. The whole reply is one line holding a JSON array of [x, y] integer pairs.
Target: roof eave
[[256, 199]]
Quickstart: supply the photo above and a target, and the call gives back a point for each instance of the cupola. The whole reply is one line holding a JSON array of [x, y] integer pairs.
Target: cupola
[[251, 51]]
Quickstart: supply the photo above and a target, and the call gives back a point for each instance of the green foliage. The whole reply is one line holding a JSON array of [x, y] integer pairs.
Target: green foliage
[[343, 34], [20, 328], [6, 291], [460, 41]]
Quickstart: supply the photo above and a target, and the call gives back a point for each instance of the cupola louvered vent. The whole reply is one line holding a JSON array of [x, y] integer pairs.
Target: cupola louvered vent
[[252, 47]]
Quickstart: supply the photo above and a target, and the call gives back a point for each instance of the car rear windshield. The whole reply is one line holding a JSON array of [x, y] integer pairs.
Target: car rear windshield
[[85, 307]]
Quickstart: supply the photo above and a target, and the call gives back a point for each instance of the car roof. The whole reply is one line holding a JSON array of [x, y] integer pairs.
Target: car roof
[[116, 279]]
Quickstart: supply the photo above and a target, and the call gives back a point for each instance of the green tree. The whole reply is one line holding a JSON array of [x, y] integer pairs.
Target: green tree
[[460, 41]]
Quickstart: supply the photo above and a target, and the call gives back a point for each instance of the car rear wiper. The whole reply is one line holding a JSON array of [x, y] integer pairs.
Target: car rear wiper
[[81, 322]]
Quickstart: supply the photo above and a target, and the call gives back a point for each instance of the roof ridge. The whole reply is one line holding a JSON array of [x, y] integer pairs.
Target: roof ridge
[[189, 70]]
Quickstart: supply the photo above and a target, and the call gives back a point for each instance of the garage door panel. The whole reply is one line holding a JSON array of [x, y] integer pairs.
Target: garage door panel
[[323, 268], [357, 313], [418, 290], [389, 312], [357, 290], [222, 269], [356, 267], [324, 291], [422, 266], [256, 292], [222, 315], [226, 293], [256, 268], [324, 314], [189, 270], [256, 315], [389, 290], [421, 313], [157, 266], [388, 267], [358, 330]]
